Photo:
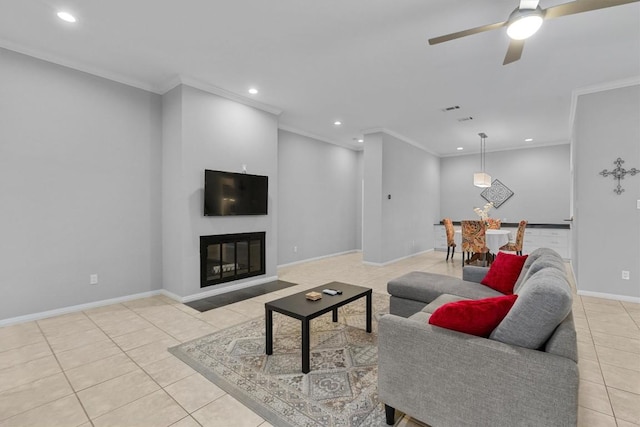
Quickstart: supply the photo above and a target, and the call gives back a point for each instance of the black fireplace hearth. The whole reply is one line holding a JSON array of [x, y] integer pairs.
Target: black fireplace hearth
[[229, 257]]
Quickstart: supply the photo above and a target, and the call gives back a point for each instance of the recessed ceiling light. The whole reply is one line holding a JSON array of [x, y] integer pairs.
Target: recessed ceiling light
[[460, 148], [253, 91], [360, 140], [66, 16], [528, 140], [337, 123]]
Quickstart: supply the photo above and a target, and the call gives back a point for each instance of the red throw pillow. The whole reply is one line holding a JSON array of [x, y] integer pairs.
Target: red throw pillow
[[474, 317], [504, 271]]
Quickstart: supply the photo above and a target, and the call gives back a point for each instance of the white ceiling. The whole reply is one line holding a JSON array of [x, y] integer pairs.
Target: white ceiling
[[364, 62]]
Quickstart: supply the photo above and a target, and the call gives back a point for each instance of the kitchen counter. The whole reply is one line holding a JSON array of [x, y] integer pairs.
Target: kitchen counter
[[529, 225]]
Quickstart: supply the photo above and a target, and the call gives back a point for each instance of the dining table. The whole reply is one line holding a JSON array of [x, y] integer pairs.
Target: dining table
[[494, 239]]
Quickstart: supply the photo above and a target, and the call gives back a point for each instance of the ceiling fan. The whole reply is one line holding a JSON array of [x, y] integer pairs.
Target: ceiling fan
[[527, 18]]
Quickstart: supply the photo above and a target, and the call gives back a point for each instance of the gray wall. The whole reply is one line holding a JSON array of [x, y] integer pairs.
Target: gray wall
[[607, 225], [372, 229], [319, 198], [205, 131], [402, 225], [539, 177], [79, 187]]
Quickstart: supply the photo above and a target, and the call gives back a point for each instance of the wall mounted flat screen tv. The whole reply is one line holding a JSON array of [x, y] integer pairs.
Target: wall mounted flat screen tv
[[230, 193]]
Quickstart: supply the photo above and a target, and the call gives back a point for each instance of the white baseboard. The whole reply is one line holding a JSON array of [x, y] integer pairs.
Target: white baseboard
[[383, 264], [171, 295], [318, 258], [616, 297], [81, 307], [219, 291], [74, 308]]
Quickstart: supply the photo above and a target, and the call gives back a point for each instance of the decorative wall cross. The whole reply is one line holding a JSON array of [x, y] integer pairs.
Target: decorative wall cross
[[618, 173]]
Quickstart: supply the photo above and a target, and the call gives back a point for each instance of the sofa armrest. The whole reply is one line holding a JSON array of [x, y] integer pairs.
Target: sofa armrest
[[473, 273], [444, 377]]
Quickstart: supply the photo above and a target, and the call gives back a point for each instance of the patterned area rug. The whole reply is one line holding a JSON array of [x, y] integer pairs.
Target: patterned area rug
[[340, 390]]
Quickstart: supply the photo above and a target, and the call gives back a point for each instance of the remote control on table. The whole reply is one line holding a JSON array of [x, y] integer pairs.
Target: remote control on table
[[331, 292]]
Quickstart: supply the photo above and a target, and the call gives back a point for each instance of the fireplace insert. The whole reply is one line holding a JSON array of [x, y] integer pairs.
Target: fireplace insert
[[229, 257]]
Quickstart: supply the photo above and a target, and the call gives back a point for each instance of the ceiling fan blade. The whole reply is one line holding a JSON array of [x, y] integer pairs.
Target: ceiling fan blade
[[514, 52], [465, 33], [580, 6], [528, 4]]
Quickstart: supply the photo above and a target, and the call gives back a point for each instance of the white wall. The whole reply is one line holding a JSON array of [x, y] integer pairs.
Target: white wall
[[79, 187], [319, 198], [607, 225], [212, 132], [539, 178], [402, 225]]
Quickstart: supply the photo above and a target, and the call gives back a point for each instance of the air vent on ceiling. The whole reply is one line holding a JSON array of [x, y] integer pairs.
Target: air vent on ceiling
[[465, 119], [455, 107]]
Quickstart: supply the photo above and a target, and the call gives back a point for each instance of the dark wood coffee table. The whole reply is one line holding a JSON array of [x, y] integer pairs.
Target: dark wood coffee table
[[299, 307]]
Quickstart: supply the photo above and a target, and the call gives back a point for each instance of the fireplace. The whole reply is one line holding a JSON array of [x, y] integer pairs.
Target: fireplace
[[229, 257]]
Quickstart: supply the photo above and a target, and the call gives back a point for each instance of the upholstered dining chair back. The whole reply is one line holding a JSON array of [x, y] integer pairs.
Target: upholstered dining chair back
[[517, 245], [451, 244], [474, 237], [493, 223]]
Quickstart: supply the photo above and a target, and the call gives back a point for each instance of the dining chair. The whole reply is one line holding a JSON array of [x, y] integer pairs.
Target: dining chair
[[517, 245], [451, 244], [493, 224], [474, 239]]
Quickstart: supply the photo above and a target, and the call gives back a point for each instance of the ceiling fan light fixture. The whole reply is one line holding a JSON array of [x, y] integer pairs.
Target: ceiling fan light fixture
[[524, 23]]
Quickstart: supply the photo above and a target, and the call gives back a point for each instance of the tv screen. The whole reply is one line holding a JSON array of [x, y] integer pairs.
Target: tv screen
[[229, 193]]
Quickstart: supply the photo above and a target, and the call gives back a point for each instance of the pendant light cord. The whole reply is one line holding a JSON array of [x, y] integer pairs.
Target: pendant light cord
[[483, 138]]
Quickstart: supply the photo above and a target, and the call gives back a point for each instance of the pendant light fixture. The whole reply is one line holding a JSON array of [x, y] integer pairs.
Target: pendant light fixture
[[482, 179]]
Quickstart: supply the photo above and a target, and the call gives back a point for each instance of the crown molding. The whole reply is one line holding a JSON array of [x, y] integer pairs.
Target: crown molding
[[215, 90], [400, 137], [138, 84], [600, 87], [318, 137], [74, 65], [523, 147]]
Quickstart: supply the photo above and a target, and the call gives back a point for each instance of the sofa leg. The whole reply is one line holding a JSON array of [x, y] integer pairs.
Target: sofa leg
[[390, 414]]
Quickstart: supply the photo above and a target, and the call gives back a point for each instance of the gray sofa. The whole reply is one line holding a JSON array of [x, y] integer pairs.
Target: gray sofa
[[524, 374]]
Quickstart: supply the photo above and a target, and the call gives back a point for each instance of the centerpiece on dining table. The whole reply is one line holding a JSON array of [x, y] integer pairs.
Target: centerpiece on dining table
[[484, 213]]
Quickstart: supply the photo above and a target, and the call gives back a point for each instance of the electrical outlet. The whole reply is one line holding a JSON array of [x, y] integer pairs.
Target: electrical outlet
[[93, 279], [625, 275], [295, 249]]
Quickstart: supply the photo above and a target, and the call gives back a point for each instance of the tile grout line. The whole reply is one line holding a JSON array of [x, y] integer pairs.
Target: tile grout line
[[606, 387], [62, 370], [189, 414], [139, 367]]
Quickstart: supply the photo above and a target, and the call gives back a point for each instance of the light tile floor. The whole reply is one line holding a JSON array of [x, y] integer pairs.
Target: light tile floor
[[109, 366]]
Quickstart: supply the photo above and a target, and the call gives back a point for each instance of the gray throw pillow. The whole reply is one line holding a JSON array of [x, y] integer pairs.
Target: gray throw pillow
[[544, 300], [543, 261], [537, 253]]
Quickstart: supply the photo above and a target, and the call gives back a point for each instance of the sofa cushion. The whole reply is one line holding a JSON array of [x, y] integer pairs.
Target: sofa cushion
[[541, 262], [474, 317], [504, 272], [440, 301], [420, 317], [543, 302], [425, 287]]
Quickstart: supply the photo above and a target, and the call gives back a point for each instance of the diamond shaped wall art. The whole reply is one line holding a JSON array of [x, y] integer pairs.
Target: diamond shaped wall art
[[498, 193]]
